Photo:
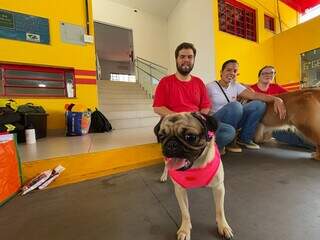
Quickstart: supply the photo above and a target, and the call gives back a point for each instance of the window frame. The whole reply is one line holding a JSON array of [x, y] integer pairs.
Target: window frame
[[248, 33], [269, 19], [36, 69]]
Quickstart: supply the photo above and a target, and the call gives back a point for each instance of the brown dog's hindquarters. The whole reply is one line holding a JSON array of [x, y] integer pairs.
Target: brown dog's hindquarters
[[302, 113]]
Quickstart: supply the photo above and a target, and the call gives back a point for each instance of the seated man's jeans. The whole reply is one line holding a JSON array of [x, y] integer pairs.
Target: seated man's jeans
[[245, 117], [224, 135], [292, 139]]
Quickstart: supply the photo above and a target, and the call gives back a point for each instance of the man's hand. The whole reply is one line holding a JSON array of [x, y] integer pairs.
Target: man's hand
[[279, 107]]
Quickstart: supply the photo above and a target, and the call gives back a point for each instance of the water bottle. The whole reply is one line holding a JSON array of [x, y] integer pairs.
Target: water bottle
[[30, 135]]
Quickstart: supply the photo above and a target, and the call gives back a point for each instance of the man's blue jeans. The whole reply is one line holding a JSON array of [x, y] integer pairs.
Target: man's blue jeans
[[224, 135], [292, 139], [246, 117]]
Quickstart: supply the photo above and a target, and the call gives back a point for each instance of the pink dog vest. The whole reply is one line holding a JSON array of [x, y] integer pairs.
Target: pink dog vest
[[197, 177]]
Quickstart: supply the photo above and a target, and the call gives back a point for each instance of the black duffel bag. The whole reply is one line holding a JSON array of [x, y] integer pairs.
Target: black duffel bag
[[30, 108], [99, 123]]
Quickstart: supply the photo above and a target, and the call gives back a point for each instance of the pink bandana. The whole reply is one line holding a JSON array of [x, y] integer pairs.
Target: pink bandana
[[197, 177]]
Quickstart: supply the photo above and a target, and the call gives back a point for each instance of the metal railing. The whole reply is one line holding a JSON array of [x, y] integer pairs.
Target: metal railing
[[148, 74]]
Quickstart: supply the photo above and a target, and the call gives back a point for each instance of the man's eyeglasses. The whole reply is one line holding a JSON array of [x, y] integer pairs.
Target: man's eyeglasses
[[268, 73]]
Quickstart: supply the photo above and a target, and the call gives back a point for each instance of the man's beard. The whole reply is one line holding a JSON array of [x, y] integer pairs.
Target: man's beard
[[184, 71]]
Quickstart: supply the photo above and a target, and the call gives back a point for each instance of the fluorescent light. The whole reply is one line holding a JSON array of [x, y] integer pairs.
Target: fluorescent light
[[41, 85], [310, 13]]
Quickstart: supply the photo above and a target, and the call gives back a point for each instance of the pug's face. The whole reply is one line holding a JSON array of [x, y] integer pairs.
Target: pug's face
[[183, 137]]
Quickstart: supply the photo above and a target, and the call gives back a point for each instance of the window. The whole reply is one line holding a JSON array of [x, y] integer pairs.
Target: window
[[31, 81], [237, 19], [122, 77], [269, 22]]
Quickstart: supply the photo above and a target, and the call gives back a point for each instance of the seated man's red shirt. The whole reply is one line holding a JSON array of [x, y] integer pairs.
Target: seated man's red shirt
[[179, 96]]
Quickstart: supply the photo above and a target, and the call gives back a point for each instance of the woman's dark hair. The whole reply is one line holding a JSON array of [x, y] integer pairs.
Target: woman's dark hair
[[267, 66], [185, 45], [227, 62]]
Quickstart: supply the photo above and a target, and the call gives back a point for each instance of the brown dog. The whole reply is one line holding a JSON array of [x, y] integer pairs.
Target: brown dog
[[303, 114], [193, 161]]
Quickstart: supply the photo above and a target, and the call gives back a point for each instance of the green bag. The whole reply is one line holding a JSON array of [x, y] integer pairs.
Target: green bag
[[30, 108]]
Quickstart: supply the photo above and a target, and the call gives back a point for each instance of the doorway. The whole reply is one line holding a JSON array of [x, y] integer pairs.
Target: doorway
[[114, 51]]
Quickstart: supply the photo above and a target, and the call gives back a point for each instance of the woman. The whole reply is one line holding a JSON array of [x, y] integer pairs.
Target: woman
[[226, 108], [266, 77]]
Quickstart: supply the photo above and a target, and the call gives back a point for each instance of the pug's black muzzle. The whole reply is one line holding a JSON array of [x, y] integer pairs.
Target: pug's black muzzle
[[173, 148]]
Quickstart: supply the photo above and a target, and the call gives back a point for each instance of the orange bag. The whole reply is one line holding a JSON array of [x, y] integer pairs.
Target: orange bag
[[10, 168]]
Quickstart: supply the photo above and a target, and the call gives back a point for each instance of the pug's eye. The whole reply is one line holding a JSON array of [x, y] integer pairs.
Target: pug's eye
[[190, 138]]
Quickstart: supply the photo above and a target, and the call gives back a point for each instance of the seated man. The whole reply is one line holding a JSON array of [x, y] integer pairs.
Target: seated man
[[266, 76], [183, 92], [227, 109]]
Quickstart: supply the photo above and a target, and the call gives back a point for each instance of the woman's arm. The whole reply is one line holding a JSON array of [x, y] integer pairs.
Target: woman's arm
[[279, 107]]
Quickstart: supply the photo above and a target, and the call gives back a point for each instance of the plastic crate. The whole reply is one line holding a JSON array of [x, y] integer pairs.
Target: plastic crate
[[38, 121]]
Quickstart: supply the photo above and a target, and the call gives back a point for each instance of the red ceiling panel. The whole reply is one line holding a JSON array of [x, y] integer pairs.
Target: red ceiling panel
[[301, 5]]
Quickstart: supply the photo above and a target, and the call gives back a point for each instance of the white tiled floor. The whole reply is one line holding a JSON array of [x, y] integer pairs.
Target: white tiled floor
[[58, 145]]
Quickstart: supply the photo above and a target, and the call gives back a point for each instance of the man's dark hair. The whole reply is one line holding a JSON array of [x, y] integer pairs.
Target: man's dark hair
[[227, 62], [267, 66], [185, 45]]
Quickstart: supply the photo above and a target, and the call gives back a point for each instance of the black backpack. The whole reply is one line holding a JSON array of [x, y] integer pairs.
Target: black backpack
[[99, 123]]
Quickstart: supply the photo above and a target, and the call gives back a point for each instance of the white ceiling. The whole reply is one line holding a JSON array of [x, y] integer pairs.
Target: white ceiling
[[114, 43], [160, 8]]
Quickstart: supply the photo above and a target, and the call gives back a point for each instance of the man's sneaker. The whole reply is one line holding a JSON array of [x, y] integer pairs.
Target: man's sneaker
[[249, 145], [234, 147]]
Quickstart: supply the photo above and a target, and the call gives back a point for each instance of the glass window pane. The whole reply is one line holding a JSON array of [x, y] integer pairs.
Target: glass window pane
[[70, 84], [310, 68], [35, 91], [34, 83], [32, 74]]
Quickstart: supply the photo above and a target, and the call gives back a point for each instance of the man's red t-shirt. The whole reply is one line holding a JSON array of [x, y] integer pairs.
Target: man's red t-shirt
[[180, 96], [272, 90]]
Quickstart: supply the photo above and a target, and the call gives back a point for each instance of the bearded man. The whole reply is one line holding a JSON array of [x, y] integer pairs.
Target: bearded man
[[183, 92]]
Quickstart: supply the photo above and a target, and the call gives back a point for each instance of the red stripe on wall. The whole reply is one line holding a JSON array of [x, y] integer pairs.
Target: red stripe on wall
[[291, 84], [290, 89], [85, 72], [86, 81]]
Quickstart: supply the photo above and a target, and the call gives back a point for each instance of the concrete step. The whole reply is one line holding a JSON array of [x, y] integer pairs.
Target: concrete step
[[128, 114], [119, 96], [134, 122], [114, 83], [120, 90], [126, 107], [110, 101]]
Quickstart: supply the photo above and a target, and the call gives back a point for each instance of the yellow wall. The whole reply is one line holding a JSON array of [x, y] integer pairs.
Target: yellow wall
[[290, 44], [57, 53], [251, 55]]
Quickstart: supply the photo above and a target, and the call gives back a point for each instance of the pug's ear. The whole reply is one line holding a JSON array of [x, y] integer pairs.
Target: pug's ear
[[157, 129], [208, 121], [211, 122]]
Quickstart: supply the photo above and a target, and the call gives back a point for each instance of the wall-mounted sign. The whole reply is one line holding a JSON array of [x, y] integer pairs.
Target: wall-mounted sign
[[310, 68], [24, 27]]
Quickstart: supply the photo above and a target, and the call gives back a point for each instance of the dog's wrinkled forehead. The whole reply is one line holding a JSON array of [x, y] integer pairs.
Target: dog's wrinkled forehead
[[176, 123]]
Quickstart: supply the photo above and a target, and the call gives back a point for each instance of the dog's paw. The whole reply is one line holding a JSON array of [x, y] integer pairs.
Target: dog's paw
[[315, 156], [164, 177], [183, 234], [225, 231]]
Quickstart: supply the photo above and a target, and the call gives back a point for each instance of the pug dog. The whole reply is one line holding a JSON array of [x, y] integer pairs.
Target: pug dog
[[193, 160]]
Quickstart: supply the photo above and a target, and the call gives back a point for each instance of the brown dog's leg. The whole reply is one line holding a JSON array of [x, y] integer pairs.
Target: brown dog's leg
[[184, 232]]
